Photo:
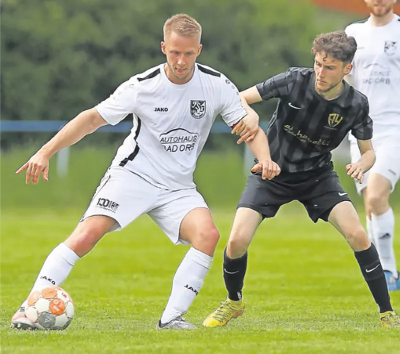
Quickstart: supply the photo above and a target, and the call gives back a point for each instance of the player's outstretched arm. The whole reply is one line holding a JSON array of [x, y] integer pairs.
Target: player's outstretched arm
[[260, 148], [83, 124], [366, 161], [247, 128]]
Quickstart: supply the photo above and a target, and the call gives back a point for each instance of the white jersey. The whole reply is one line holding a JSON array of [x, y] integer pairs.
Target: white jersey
[[171, 123], [376, 72]]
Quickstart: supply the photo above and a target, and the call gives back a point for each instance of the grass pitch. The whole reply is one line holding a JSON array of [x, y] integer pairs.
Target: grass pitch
[[304, 292]]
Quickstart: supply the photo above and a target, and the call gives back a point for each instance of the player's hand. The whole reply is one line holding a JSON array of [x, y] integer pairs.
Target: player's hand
[[247, 128], [269, 169], [355, 171], [37, 164]]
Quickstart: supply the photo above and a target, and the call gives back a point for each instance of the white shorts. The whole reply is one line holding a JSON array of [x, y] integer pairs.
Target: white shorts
[[387, 162], [124, 196]]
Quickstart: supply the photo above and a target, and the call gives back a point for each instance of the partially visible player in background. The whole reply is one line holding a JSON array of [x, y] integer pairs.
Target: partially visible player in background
[[174, 106], [376, 73]]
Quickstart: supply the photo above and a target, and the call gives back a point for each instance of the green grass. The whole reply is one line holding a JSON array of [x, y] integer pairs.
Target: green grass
[[304, 292]]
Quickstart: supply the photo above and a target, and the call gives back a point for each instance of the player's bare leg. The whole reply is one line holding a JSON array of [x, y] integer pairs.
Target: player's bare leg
[[60, 261], [345, 219], [376, 198], [199, 229], [235, 263]]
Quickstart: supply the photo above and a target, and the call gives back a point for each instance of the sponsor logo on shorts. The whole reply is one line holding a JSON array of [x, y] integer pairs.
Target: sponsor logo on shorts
[[107, 204]]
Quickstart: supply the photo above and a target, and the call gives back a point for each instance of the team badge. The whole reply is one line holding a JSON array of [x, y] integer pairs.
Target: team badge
[[334, 119], [390, 47], [197, 108]]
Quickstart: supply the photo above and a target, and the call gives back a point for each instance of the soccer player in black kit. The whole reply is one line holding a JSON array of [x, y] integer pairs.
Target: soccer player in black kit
[[316, 110]]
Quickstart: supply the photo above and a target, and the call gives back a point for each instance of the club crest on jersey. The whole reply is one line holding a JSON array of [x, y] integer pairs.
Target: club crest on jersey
[[390, 47], [197, 108], [334, 119]]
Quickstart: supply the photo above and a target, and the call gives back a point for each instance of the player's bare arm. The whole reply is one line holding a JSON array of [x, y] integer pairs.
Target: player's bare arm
[[247, 128], [83, 124], [260, 148], [366, 161], [250, 96]]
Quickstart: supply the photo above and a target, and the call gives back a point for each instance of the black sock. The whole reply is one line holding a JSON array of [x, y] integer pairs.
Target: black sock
[[372, 271], [234, 272]]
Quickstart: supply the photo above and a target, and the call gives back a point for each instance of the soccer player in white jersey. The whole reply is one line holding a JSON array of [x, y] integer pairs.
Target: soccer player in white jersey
[[376, 73], [174, 106]]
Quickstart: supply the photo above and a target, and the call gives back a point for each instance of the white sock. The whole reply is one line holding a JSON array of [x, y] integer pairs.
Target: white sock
[[56, 267], [370, 230], [187, 283], [383, 229]]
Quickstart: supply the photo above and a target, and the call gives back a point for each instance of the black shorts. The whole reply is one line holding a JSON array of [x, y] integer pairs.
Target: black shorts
[[318, 192]]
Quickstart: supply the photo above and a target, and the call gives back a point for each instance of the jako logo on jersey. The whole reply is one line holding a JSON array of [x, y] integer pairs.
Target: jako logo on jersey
[[190, 288], [48, 279], [334, 119], [161, 109], [197, 108], [107, 204], [390, 47]]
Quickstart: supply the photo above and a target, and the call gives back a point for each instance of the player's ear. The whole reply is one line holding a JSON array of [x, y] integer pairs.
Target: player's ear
[[199, 50], [348, 68], [163, 47]]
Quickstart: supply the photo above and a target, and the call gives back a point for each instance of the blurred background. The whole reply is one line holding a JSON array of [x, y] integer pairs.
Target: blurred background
[[61, 57]]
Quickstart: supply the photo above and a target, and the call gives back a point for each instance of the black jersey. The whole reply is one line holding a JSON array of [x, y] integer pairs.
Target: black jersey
[[305, 127]]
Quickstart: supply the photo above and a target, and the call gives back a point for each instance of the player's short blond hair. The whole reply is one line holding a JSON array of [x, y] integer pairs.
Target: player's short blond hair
[[182, 24]]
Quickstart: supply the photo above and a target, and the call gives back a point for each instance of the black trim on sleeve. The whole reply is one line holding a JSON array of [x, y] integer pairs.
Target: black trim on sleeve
[[150, 76], [136, 150], [208, 71]]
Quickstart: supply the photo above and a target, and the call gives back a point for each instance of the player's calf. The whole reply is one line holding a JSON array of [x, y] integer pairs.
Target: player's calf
[[372, 271]]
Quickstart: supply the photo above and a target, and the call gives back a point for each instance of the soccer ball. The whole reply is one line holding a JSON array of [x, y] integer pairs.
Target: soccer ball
[[51, 308]]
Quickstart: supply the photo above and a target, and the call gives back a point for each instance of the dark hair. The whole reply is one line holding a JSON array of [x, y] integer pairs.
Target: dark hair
[[337, 44]]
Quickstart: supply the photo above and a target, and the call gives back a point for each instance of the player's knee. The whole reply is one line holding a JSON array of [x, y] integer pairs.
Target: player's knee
[[208, 237], [237, 246], [377, 203], [83, 240], [211, 236], [358, 239]]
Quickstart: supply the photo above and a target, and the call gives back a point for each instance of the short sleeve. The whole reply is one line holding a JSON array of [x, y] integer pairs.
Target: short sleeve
[[362, 129], [232, 110], [121, 103], [277, 86]]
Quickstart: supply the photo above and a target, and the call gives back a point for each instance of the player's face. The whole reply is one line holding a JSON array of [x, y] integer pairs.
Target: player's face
[[380, 8], [181, 53], [329, 72]]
